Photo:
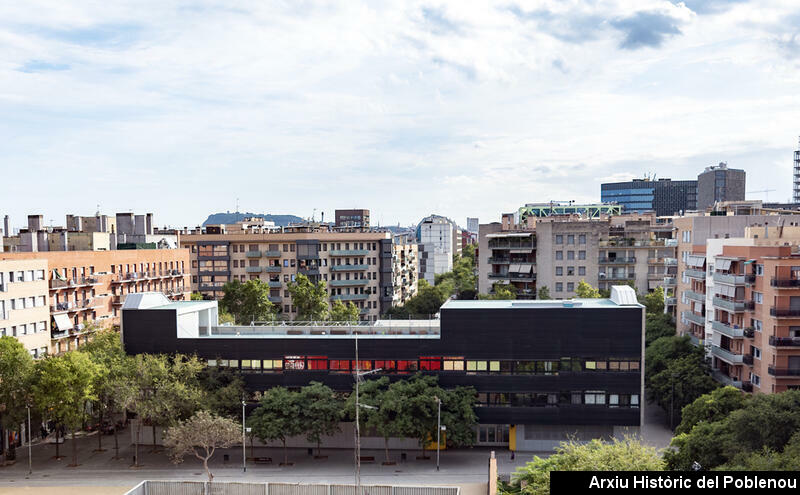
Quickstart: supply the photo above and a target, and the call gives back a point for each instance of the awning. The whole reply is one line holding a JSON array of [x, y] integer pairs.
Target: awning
[[695, 260], [725, 290], [749, 261], [521, 251], [723, 265], [63, 322], [513, 268], [526, 268], [58, 276], [698, 307]]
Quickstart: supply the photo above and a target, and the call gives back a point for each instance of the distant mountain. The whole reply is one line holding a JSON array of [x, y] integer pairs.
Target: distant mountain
[[231, 218]]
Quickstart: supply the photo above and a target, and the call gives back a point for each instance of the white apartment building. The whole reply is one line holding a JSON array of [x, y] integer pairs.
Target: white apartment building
[[24, 305], [437, 240]]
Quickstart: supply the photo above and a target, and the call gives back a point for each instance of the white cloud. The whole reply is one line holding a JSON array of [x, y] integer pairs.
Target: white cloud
[[464, 108]]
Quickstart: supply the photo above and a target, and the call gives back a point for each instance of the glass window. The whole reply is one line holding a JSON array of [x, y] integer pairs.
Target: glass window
[[559, 287], [559, 239], [559, 255], [494, 366], [454, 364], [582, 239], [570, 239], [559, 271], [581, 270]]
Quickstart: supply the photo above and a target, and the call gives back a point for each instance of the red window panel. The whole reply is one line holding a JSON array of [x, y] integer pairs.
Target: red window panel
[[406, 365], [385, 365], [340, 365], [317, 362], [430, 363], [294, 363], [362, 365]]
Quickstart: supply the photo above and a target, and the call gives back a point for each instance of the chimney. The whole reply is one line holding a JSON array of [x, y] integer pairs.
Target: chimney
[[7, 226], [35, 222], [125, 223], [149, 227], [139, 225]]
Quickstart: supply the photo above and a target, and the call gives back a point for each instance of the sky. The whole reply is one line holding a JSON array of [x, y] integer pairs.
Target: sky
[[406, 108]]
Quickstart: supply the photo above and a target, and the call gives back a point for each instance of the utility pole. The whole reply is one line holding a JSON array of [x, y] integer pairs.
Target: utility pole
[[438, 428], [30, 439]]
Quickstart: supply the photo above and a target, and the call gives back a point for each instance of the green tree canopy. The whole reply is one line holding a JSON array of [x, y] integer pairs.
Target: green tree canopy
[[680, 383], [618, 455], [248, 301], [586, 291], [200, 436], [426, 302], [500, 292], [321, 412], [224, 391], [63, 386], [654, 301], [344, 312], [277, 417], [543, 293], [713, 406], [16, 376], [310, 299], [658, 325]]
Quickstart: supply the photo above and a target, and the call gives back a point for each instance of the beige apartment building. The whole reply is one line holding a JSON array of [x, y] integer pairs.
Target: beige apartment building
[[24, 304], [362, 267], [558, 252]]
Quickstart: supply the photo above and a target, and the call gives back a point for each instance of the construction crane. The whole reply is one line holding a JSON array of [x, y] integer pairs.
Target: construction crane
[[765, 191]]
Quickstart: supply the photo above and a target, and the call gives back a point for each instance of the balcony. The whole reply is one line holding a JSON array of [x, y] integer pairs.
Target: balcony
[[725, 379], [784, 341], [617, 276], [663, 261], [670, 301], [785, 283], [348, 283], [522, 276], [670, 282], [726, 329], [747, 359], [695, 296], [695, 274], [727, 355], [733, 306], [348, 268], [499, 275], [783, 372], [784, 312], [499, 261], [617, 261], [349, 252], [272, 254], [210, 288], [253, 269], [253, 254], [729, 279], [696, 341], [350, 297], [696, 319], [633, 243], [71, 283], [274, 285], [273, 269], [747, 386]]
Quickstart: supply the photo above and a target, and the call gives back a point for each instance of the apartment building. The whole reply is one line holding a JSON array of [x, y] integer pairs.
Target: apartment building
[[355, 219], [439, 240], [405, 271], [358, 266], [543, 370], [720, 183], [558, 252], [24, 299], [693, 308], [86, 289], [663, 196]]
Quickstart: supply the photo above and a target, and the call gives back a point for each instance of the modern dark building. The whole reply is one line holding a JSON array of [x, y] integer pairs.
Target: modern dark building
[[664, 196], [543, 370], [720, 183], [352, 218]]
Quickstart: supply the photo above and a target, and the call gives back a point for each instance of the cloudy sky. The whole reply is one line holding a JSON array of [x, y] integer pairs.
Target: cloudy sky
[[406, 108]]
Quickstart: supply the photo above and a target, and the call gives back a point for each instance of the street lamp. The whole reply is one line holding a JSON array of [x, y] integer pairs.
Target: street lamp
[[244, 452], [30, 439], [439, 427]]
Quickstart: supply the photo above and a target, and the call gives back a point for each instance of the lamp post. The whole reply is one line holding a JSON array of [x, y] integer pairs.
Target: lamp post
[[244, 452], [30, 439], [438, 428]]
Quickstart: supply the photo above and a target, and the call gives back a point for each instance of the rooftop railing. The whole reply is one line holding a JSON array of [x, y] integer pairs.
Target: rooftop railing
[[322, 328]]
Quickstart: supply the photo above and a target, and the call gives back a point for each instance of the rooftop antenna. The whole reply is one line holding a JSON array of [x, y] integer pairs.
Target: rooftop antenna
[[313, 215], [97, 214], [237, 205]]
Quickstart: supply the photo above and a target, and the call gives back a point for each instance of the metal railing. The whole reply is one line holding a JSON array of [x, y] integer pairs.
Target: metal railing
[[733, 305], [729, 279], [348, 252], [350, 297], [785, 283], [784, 341], [698, 274], [616, 261], [783, 372], [730, 331], [695, 296], [726, 355], [343, 268], [784, 312], [696, 319], [149, 487], [318, 328]]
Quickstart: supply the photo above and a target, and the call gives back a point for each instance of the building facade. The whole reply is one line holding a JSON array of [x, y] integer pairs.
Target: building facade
[[663, 196], [439, 240], [86, 289], [358, 267], [352, 218], [719, 183], [536, 386], [24, 300]]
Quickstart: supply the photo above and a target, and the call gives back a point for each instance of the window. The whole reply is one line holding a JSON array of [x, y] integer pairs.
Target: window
[[570, 271], [559, 287], [758, 297], [581, 255], [581, 270], [582, 239], [570, 255], [453, 364], [559, 271], [570, 286], [570, 239], [272, 365], [594, 397], [760, 270], [559, 239], [475, 366], [756, 352], [559, 255], [755, 379]]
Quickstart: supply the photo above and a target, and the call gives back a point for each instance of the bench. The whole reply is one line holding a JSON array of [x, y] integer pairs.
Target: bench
[[263, 460], [367, 458]]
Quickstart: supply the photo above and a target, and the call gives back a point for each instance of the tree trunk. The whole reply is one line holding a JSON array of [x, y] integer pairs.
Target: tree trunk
[[386, 447], [138, 437], [74, 450], [100, 432], [116, 441], [319, 448], [285, 454], [58, 428], [208, 471], [154, 437]]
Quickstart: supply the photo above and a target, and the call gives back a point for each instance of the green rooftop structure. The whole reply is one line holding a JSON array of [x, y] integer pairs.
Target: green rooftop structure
[[541, 210]]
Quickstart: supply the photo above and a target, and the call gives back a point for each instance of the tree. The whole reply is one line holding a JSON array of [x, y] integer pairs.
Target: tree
[[344, 313], [248, 301], [320, 413], [201, 435], [224, 391], [458, 414], [543, 293], [654, 301], [586, 291], [416, 405], [713, 406], [113, 380], [196, 296], [500, 292], [277, 417], [379, 411], [680, 383], [662, 351], [768, 459], [598, 455], [310, 299], [16, 375], [658, 325], [64, 384]]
